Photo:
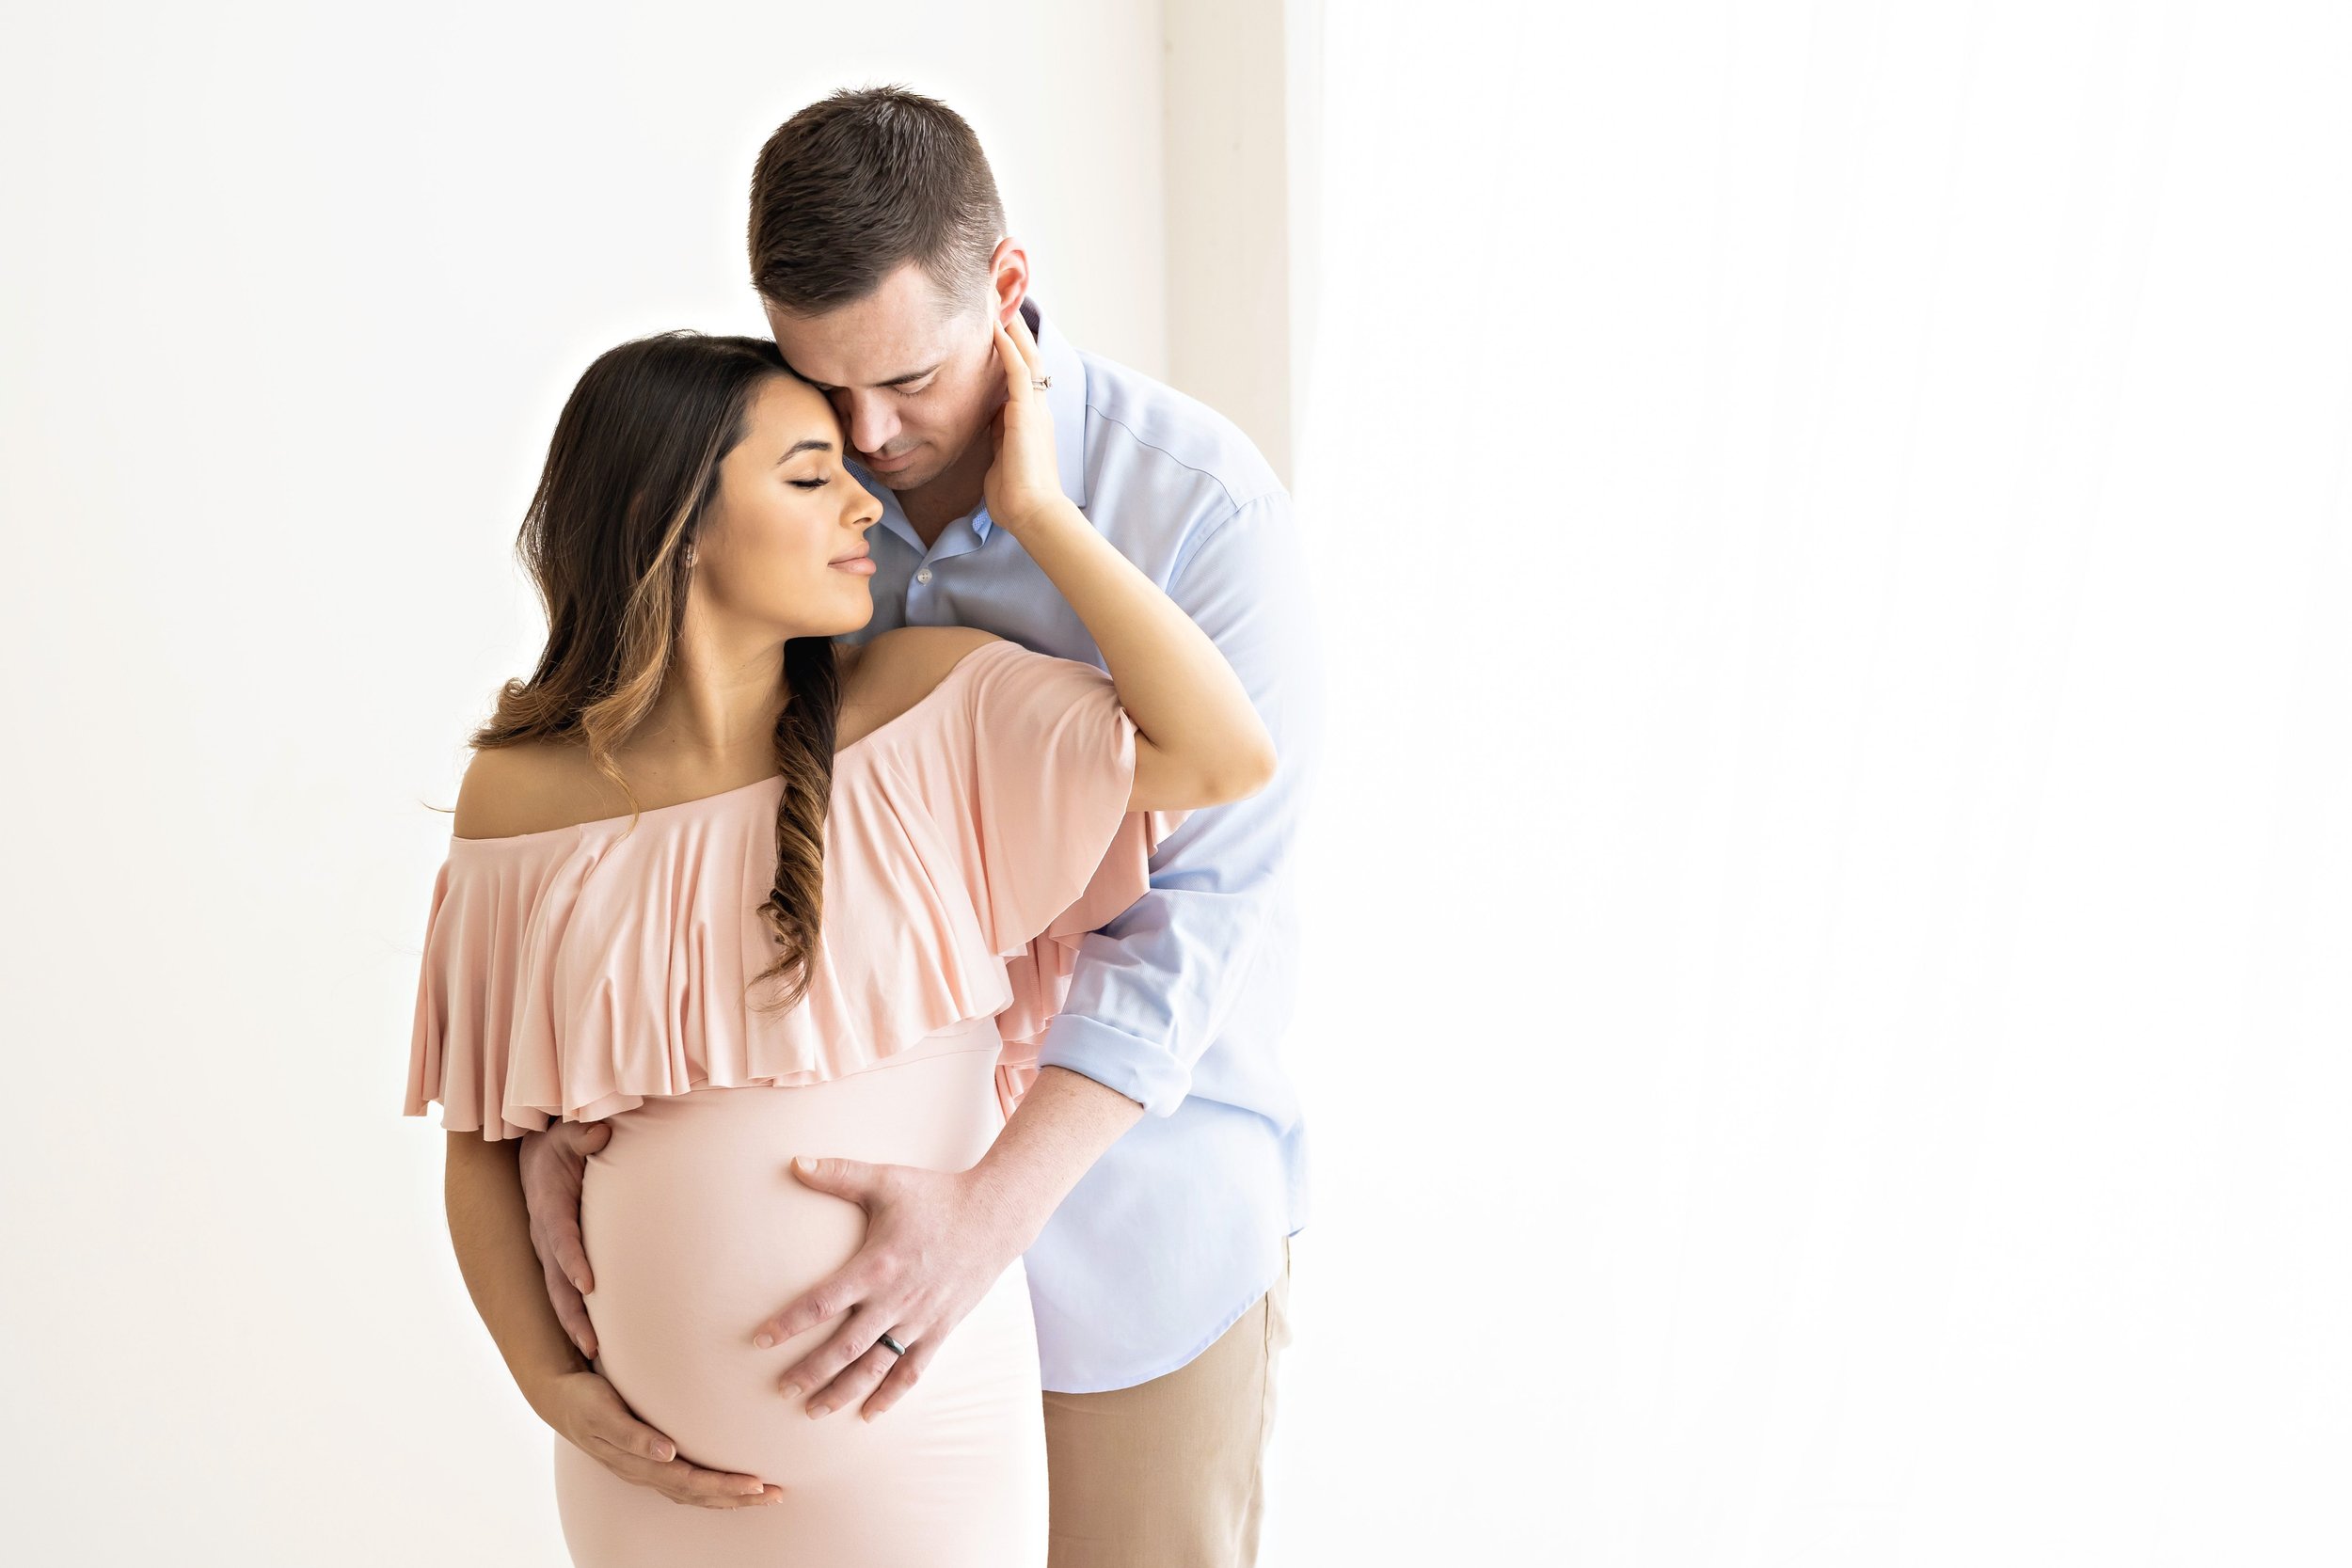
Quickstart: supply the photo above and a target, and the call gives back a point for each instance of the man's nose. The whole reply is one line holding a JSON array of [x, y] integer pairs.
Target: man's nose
[[871, 423]]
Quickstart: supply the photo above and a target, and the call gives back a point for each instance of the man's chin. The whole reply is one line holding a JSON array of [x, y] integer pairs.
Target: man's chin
[[911, 475], [926, 469]]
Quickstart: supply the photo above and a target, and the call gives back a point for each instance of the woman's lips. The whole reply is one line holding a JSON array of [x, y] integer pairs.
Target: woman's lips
[[862, 565]]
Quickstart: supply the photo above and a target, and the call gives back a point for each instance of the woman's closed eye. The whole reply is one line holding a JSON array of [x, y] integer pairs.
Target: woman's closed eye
[[810, 484]]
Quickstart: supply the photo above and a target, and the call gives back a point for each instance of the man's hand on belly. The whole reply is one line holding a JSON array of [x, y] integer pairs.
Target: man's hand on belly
[[935, 1241], [552, 1163]]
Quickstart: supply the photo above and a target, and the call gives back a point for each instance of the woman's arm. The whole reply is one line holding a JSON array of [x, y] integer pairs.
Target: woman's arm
[[490, 1229], [1201, 743]]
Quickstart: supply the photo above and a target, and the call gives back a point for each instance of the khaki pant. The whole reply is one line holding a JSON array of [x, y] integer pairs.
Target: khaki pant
[[1168, 1474]]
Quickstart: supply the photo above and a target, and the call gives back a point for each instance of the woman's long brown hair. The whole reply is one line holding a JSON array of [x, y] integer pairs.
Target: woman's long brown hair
[[629, 478]]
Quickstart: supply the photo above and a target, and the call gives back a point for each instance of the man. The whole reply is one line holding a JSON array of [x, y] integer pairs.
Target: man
[[1154, 1171]]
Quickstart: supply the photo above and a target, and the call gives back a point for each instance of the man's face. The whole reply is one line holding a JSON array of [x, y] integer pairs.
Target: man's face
[[913, 375]]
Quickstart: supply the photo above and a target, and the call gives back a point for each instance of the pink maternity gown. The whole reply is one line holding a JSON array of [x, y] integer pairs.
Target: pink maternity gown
[[595, 972]]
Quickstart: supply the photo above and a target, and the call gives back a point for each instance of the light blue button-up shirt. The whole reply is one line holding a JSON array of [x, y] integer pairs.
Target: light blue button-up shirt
[[1180, 1003]]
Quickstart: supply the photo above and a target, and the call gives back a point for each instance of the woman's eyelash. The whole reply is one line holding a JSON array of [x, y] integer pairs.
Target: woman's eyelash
[[809, 484]]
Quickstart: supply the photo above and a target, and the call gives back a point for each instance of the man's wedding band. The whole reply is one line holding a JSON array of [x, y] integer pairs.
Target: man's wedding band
[[1040, 382], [896, 1348]]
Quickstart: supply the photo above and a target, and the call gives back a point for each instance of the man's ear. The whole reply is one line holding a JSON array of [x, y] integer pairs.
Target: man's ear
[[1008, 279]]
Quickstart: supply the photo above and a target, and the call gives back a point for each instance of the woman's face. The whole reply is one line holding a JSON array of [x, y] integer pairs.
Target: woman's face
[[784, 544]]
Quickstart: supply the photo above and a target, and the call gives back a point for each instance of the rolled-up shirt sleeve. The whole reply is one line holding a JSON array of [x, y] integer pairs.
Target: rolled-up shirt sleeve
[[1150, 990]]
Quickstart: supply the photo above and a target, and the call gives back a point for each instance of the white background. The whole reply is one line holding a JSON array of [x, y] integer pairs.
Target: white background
[[1833, 1004], [1828, 908]]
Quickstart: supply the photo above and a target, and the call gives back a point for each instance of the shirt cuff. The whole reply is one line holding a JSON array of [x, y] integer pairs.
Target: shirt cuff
[[1136, 1067]]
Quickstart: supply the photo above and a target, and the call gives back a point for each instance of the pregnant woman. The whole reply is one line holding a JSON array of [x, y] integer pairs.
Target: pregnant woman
[[741, 895]]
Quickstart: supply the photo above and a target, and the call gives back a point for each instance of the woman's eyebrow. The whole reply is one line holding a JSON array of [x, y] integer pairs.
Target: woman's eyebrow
[[810, 444]]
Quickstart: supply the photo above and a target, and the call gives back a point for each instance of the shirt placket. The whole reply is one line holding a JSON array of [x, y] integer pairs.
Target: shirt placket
[[927, 596]]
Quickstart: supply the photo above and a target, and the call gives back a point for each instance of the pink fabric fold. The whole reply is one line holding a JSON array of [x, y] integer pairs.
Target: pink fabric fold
[[970, 846], [1040, 972]]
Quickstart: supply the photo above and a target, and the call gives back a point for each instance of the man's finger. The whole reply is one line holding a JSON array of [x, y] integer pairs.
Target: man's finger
[[820, 1304], [904, 1375], [813, 1375], [852, 1179], [857, 1381], [552, 1162], [570, 1255], [572, 1312]]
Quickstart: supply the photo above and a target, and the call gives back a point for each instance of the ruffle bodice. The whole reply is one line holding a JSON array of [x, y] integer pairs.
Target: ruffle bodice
[[971, 844]]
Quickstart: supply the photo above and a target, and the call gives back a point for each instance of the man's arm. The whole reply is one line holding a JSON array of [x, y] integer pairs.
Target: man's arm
[[1150, 992], [1148, 995]]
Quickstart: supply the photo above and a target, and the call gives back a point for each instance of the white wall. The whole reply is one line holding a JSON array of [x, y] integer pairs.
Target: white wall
[[1834, 548], [291, 297], [1230, 100]]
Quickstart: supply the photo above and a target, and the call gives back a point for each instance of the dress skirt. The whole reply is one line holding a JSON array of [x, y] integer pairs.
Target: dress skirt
[[697, 1231]]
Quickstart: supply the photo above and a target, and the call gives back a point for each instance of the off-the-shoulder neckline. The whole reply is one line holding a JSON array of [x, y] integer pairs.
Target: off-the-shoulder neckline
[[773, 780]]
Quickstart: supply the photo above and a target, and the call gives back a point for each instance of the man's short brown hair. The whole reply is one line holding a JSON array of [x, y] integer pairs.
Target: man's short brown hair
[[858, 184]]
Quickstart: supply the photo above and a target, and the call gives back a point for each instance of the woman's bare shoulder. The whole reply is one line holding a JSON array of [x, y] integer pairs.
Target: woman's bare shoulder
[[529, 788], [895, 670]]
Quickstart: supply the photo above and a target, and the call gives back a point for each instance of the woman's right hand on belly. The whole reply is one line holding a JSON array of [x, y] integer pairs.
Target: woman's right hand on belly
[[590, 1414]]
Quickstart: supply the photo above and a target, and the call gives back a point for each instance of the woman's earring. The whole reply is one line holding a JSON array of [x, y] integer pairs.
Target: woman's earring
[[689, 558]]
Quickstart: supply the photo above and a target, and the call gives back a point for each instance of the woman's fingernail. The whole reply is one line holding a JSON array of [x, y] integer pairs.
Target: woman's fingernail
[[765, 1340], [790, 1390]]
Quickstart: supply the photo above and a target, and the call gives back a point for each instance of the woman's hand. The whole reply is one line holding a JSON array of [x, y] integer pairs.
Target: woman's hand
[[1200, 742], [1025, 479], [593, 1417]]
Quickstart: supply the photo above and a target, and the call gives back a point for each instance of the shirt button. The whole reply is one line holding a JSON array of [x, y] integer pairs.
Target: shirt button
[[923, 576]]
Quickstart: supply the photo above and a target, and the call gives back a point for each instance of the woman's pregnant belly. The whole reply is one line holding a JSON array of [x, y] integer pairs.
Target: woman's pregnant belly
[[697, 1231]]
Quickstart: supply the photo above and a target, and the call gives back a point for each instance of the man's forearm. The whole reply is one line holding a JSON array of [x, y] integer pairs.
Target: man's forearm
[[490, 1229], [1062, 1125]]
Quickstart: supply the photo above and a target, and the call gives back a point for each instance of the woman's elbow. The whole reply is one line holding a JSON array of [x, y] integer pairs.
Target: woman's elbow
[[1246, 770], [1197, 777]]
